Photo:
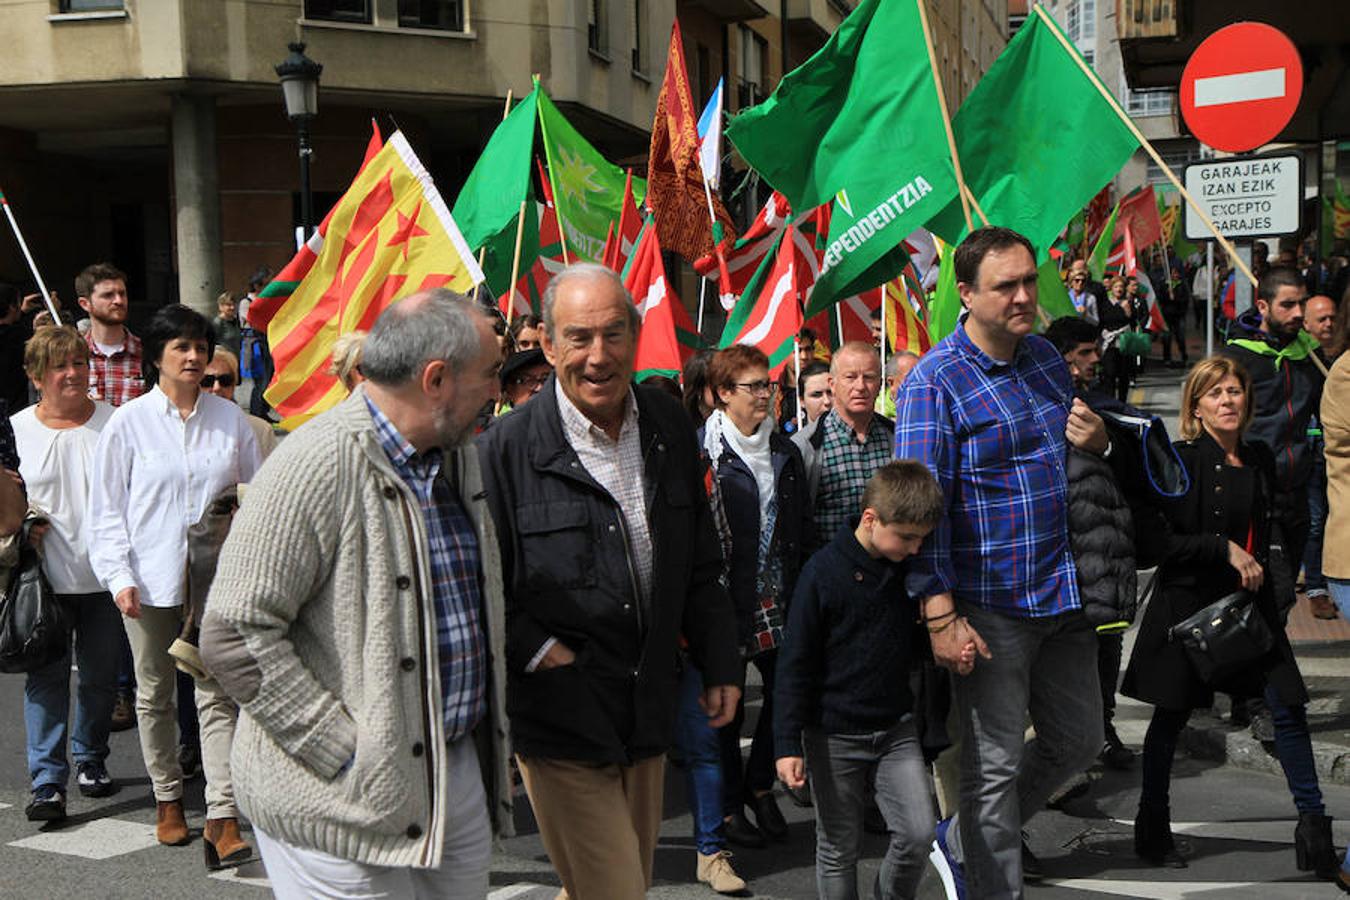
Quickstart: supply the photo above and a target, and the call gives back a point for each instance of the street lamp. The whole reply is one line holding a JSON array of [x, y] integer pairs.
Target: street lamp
[[300, 88]]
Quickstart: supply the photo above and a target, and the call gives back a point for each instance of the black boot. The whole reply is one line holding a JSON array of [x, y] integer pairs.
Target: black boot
[[1312, 845], [1153, 839]]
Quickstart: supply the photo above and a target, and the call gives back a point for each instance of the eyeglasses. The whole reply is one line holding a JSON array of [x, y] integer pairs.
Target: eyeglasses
[[531, 380], [757, 388], [210, 381]]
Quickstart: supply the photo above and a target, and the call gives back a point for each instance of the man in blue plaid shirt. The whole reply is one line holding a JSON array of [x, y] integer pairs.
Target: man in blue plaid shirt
[[989, 410]]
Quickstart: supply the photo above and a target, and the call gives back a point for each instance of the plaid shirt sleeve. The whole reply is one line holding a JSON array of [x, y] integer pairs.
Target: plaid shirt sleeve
[[923, 432]]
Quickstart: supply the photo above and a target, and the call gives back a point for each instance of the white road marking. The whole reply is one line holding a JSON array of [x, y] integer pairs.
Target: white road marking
[[517, 890], [1181, 890], [1240, 87], [251, 874], [1269, 831], [98, 839]]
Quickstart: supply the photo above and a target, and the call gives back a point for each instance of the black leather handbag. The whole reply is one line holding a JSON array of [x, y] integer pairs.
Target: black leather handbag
[[1224, 637], [34, 625]]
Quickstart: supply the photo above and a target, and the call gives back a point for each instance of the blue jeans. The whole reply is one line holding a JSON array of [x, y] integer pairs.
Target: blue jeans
[[1293, 747], [46, 693], [1340, 592], [841, 766], [1314, 582], [702, 751]]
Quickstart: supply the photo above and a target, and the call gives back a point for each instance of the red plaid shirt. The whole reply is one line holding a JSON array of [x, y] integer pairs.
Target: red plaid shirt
[[116, 379]]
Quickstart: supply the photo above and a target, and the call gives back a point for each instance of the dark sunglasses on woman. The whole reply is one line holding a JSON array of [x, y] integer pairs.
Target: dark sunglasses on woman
[[209, 381]]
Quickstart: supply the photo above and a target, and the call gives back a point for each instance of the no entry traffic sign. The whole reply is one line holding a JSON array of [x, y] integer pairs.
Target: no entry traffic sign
[[1241, 86]]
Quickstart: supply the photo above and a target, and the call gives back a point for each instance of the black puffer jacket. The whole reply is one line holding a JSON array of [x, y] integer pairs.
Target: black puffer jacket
[[1101, 536]]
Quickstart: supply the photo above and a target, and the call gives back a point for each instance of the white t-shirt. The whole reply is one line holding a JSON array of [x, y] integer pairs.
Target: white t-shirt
[[109, 349], [56, 464]]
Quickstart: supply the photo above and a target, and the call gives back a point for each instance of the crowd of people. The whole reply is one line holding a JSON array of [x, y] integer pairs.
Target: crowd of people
[[500, 561]]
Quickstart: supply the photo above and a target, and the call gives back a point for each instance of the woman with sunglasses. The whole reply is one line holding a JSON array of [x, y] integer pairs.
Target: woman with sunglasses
[[221, 378], [161, 460]]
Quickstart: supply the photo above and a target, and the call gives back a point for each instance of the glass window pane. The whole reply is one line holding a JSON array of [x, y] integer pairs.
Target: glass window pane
[[443, 15], [90, 5], [339, 10]]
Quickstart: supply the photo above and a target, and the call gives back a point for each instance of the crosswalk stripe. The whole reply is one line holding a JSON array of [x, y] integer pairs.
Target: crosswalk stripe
[[517, 890], [251, 874], [96, 839], [1181, 890]]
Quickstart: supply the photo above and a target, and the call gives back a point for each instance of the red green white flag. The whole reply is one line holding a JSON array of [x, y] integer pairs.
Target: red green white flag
[[664, 340], [769, 313]]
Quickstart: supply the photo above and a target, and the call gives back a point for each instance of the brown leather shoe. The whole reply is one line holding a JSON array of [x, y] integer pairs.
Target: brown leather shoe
[[1322, 607], [170, 826], [224, 846]]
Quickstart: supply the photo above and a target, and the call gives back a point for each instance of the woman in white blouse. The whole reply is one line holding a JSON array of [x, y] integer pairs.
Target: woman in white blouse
[[160, 461], [56, 440]]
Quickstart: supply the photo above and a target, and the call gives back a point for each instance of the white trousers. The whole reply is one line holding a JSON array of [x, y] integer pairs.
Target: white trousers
[[298, 873]]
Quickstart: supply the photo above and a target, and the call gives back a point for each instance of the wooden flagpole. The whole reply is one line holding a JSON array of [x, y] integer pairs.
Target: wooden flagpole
[[1144, 142], [946, 117], [515, 259]]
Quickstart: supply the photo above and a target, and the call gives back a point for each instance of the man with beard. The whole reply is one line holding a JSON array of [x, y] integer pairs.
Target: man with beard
[[114, 352], [1270, 343], [357, 619]]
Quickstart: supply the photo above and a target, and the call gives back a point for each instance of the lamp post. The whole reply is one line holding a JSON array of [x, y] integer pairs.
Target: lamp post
[[300, 88]]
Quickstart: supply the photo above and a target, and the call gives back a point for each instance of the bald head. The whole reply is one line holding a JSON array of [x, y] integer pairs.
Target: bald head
[[1319, 318], [593, 283]]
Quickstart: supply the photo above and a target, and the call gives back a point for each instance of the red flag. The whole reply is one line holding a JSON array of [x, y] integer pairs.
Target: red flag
[[741, 258], [676, 193], [1139, 214], [659, 349], [769, 313], [278, 291]]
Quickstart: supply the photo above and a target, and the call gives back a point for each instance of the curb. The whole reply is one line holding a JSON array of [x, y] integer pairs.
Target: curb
[[1212, 739]]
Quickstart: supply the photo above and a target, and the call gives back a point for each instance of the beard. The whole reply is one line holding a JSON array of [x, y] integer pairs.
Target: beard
[[451, 433]]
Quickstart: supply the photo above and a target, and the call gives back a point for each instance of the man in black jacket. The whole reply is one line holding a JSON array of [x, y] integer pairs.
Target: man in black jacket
[[609, 556]]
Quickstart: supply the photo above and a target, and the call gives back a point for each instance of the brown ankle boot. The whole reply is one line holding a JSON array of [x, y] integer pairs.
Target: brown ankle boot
[[170, 826], [224, 846]]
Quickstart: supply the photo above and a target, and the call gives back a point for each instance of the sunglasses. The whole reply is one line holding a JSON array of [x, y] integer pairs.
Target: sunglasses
[[210, 381]]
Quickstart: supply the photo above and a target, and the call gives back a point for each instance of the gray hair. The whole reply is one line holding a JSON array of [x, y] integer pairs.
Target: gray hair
[[893, 362], [436, 325], [593, 271]]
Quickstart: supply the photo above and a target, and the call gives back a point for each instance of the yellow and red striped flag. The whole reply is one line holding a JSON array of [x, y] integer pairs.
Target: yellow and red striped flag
[[389, 236]]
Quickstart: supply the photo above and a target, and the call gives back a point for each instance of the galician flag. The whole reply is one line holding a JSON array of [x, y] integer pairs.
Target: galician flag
[[769, 313], [588, 190], [710, 139], [660, 349], [859, 124], [389, 236], [1036, 138], [488, 207]]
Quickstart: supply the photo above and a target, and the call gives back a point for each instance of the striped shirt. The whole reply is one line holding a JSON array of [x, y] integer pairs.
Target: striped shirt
[[456, 575], [992, 433]]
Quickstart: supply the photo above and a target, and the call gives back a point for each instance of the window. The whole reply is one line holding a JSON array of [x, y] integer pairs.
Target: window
[[639, 35], [1089, 16], [596, 32], [1089, 56], [1150, 103], [339, 10], [750, 75], [1176, 160], [1081, 20], [79, 6], [442, 15]]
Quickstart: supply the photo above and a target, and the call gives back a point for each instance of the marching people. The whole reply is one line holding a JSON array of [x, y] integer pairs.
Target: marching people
[[1116, 316], [115, 377], [358, 621], [1218, 541], [525, 332], [161, 460], [997, 572], [56, 440], [1083, 300], [849, 442], [763, 514], [609, 556], [843, 701], [229, 333]]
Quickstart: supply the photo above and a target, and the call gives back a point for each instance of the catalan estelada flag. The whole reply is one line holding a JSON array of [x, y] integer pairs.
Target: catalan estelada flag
[[389, 236]]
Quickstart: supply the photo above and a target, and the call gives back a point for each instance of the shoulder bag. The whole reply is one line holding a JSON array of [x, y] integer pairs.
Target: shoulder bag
[[34, 626], [1224, 637]]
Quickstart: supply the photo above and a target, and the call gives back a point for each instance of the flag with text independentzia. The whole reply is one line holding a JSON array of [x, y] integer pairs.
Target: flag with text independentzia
[[858, 123], [389, 236]]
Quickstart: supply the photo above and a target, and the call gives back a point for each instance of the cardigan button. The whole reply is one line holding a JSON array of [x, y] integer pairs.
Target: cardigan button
[[407, 664], [858, 576], [403, 582], [417, 749], [1218, 489], [389, 492], [414, 831]]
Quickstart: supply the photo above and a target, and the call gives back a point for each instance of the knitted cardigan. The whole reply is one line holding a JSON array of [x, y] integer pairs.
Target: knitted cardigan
[[318, 625]]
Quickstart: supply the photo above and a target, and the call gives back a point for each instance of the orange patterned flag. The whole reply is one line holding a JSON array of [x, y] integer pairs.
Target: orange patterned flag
[[389, 236], [676, 193]]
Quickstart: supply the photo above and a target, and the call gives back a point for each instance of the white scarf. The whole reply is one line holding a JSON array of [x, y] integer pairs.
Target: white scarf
[[752, 449]]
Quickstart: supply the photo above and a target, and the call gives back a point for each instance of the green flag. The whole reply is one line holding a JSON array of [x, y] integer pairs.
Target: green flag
[[1037, 139], [945, 307], [1051, 293], [1101, 252], [858, 124], [587, 189]]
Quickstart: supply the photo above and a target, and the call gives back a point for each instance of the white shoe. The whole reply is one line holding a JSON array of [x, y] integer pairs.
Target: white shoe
[[715, 871]]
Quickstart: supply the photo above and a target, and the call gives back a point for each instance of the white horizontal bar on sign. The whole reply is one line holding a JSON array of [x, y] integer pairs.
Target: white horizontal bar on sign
[[1242, 87]]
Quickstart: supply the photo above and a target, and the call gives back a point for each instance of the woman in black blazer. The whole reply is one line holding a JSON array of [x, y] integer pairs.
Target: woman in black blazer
[[1217, 539]]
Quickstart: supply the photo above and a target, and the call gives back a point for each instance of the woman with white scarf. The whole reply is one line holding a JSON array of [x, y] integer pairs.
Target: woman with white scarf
[[766, 515]]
